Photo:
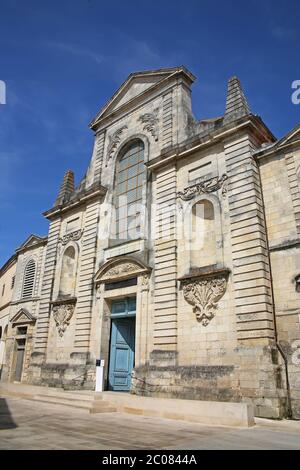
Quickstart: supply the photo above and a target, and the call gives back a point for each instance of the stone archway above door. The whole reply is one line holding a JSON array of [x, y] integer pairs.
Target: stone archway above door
[[121, 268]]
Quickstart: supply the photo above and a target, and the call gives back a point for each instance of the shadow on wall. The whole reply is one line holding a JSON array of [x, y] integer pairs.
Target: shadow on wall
[[6, 420]]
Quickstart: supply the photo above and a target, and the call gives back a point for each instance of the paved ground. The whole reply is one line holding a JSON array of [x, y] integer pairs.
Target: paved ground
[[26, 424]]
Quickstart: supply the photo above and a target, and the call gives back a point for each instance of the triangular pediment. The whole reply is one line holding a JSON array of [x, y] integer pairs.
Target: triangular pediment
[[136, 85], [290, 138], [22, 316], [31, 241], [121, 268]]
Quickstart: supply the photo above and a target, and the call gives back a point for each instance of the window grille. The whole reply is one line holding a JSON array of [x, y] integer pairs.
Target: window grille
[[29, 276], [130, 176]]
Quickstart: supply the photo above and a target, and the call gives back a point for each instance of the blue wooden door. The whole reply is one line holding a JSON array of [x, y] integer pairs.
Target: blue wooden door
[[122, 344]]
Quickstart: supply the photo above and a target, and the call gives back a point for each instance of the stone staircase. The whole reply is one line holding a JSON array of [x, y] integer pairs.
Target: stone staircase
[[87, 400], [211, 413]]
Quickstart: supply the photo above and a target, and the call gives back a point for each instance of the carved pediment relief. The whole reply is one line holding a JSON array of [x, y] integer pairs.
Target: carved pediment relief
[[22, 316], [122, 268]]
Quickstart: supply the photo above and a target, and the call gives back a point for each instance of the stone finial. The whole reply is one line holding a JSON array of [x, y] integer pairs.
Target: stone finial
[[236, 103], [66, 189]]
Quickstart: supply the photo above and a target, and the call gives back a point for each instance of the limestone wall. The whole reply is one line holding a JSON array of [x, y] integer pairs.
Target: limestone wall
[[280, 182]]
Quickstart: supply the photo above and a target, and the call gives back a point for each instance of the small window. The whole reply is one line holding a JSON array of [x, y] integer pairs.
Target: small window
[[13, 282], [29, 276], [3, 290], [22, 330]]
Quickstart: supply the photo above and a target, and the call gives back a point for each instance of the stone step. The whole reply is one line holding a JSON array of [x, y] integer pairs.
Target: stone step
[[94, 407], [102, 407], [62, 401], [68, 395]]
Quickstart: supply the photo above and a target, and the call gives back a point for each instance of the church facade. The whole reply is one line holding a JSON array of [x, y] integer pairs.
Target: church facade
[[176, 260]]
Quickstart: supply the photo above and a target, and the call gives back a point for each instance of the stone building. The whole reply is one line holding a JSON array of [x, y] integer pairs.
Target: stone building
[[23, 308], [7, 280], [176, 260]]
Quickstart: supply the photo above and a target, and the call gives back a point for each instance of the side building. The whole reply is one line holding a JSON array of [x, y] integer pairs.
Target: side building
[[23, 308], [7, 281]]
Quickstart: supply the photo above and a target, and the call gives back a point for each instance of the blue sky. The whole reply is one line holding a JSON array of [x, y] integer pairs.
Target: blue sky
[[62, 60]]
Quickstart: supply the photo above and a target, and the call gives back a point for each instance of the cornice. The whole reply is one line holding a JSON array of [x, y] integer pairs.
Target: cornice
[[205, 273], [86, 196], [190, 146]]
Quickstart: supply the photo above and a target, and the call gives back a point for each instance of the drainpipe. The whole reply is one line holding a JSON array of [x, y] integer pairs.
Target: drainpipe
[[279, 348]]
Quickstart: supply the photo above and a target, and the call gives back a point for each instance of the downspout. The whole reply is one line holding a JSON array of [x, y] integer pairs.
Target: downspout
[[279, 348]]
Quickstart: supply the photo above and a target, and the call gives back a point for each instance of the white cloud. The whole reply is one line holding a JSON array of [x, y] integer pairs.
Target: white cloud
[[76, 50]]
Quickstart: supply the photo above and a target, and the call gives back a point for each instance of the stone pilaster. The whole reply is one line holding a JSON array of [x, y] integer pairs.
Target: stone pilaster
[[294, 188], [167, 117], [99, 156], [85, 282], [251, 272], [165, 295], [42, 327]]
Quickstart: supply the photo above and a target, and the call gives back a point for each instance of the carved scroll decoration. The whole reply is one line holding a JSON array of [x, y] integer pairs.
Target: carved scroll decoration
[[150, 121], [73, 236], [114, 141], [203, 295], [208, 186], [62, 314]]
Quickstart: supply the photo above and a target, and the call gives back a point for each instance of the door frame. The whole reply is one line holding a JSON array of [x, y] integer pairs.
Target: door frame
[[128, 314], [18, 348]]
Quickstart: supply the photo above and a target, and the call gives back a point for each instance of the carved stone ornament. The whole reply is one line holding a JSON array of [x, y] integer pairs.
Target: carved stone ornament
[[150, 121], [203, 295], [145, 282], [114, 141], [73, 236], [119, 270], [208, 186], [62, 314]]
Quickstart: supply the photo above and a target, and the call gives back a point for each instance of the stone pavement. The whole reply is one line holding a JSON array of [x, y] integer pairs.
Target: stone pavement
[[26, 424]]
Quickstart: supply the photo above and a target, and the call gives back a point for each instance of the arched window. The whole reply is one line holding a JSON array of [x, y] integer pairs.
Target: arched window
[[130, 178], [29, 277], [203, 235], [67, 276]]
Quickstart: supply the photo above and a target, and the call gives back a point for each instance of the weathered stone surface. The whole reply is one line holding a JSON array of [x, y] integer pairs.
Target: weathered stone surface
[[222, 196]]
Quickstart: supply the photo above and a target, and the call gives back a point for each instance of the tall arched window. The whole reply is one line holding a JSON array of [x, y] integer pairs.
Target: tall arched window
[[29, 277], [130, 177], [68, 275], [203, 236]]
